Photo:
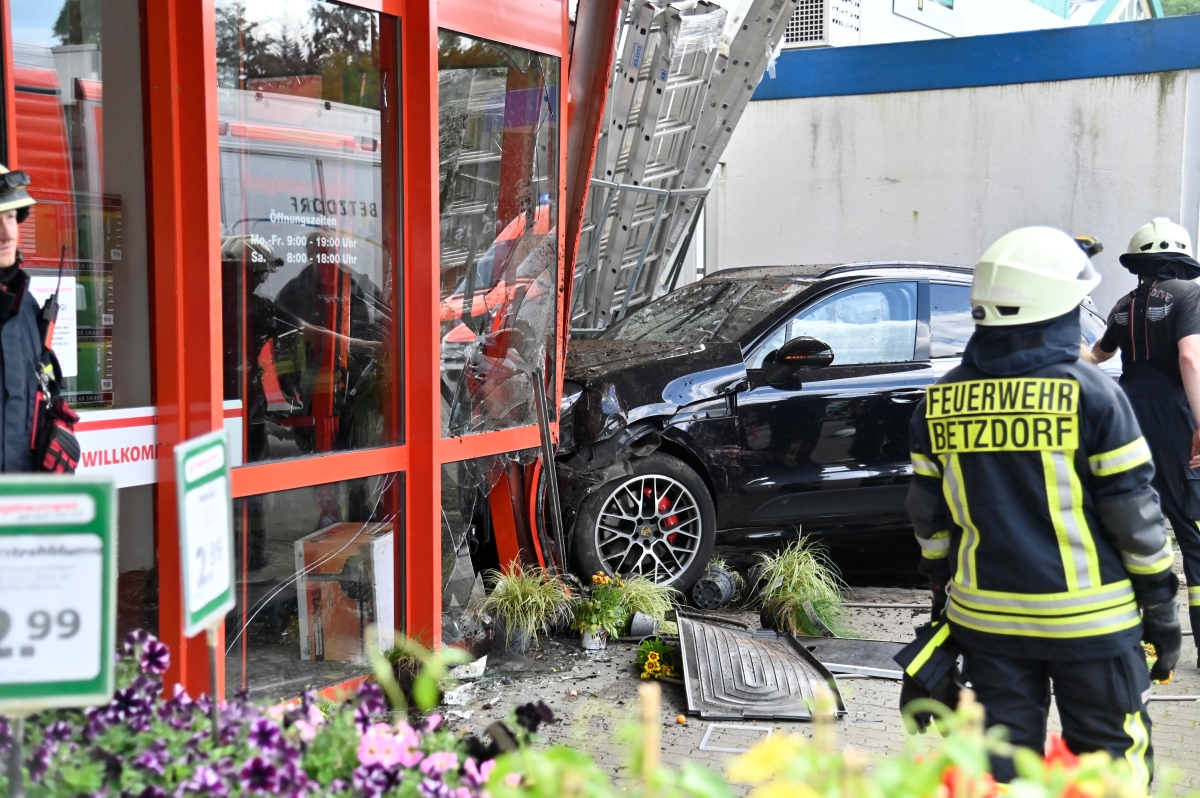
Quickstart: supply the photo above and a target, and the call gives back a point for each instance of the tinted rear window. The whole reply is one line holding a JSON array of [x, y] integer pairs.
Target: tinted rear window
[[722, 310]]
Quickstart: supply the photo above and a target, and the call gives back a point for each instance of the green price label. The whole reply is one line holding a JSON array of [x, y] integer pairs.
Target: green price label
[[58, 592], [205, 531]]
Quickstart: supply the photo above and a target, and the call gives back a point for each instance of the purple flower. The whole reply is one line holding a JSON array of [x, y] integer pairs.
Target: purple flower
[[138, 637], [208, 781], [439, 763], [362, 719], [153, 791], [97, 722], [434, 788], [370, 698], [265, 735], [155, 658], [153, 758], [59, 731], [39, 762], [372, 780], [259, 775], [5, 732], [128, 703], [475, 775], [336, 786]]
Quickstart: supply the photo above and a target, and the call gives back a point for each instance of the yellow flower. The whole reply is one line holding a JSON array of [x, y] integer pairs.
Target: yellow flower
[[652, 656], [645, 674], [765, 759], [785, 789]]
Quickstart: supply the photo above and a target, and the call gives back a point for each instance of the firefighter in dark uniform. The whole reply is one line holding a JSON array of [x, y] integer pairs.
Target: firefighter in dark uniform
[[1031, 499], [20, 342], [1157, 328]]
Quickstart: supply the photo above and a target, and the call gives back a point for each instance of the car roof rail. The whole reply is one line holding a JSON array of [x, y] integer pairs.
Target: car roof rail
[[869, 266]]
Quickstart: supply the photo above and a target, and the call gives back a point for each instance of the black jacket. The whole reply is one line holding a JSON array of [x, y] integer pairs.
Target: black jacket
[[20, 353], [1031, 499]]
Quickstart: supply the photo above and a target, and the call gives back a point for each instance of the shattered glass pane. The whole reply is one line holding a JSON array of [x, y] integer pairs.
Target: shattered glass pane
[[716, 310], [468, 545], [315, 571], [498, 141]]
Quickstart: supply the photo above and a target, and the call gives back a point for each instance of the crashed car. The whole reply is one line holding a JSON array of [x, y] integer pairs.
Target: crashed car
[[751, 404]]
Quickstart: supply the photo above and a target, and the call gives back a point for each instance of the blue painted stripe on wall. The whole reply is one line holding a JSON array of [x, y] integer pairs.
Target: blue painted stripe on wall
[[1089, 51]]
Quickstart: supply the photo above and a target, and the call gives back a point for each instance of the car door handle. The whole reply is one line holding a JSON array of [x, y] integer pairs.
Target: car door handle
[[904, 399]]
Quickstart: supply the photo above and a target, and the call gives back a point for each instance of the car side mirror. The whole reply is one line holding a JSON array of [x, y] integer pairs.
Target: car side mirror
[[781, 366]]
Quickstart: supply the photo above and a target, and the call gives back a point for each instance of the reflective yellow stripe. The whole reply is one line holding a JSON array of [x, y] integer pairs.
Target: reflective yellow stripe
[[956, 496], [1064, 495], [924, 466], [1139, 738], [1155, 563], [937, 546], [1069, 603], [1091, 624], [919, 661], [1194, 596], [1131, 455]]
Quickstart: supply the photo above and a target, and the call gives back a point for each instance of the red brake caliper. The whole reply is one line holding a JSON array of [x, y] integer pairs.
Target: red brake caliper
[[671, 520]]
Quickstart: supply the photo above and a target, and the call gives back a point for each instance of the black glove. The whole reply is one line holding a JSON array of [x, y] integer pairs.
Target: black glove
[[1160, 628], [939, 601], [945, 691]]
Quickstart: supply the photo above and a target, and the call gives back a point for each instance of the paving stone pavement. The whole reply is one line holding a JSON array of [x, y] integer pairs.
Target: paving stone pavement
[[593, 695]]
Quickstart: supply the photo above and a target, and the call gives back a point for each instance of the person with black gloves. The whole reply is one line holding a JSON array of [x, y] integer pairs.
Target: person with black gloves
[[35, 422], [1031, 500], [1156, 327]]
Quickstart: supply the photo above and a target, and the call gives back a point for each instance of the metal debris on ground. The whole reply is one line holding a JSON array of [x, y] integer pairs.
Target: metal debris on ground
[[734, 673], [855, 655], [459, 696], [472, 670], [728, 730]]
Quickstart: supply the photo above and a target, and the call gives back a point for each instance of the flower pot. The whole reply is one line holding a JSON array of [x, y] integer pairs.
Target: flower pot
[[513, 639], [594, 641]]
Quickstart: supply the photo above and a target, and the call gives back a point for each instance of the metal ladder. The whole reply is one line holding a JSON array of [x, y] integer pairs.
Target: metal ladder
[[674, 99]]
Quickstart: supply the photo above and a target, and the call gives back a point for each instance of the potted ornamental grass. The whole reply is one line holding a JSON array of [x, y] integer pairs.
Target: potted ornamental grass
[[525, 601]]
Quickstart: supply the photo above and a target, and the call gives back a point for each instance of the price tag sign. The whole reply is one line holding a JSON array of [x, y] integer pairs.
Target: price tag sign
[[58, 591], [205, 531]]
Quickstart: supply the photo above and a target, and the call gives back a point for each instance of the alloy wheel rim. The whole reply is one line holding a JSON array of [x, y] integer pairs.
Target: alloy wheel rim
[[649, 526]]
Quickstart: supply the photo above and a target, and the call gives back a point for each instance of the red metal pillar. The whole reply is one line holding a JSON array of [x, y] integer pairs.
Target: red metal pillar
[[422, 248], [183, 175]]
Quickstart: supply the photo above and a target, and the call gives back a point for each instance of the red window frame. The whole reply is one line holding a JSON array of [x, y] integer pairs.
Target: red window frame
[[182, 177]]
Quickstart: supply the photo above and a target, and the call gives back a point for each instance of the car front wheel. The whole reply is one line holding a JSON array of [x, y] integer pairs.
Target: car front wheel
[[659, 523]]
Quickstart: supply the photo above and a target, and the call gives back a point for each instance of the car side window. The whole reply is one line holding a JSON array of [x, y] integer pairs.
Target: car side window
[[875, 323], [950, 322]]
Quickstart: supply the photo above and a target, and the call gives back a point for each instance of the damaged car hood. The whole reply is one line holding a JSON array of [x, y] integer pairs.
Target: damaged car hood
[[624, 381]]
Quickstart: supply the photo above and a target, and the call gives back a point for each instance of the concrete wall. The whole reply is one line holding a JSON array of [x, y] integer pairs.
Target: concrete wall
[[938, 175]]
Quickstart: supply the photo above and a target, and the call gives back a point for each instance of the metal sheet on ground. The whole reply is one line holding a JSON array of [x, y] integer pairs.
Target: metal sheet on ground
[[732, 673], [855, 655]]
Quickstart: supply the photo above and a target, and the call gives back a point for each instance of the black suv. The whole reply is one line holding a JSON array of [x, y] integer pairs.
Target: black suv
[[750, 404]]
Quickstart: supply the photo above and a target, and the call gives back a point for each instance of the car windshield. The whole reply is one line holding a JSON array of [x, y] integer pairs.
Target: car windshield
[[718, 310]]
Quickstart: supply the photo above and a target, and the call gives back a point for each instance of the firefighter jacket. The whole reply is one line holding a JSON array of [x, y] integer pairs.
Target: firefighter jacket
[[20, 350], [1031, 499]]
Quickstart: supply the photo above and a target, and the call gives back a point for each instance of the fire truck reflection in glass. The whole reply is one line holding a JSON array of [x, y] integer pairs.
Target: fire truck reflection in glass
[[58, 98], [499, 151], [306, 280]]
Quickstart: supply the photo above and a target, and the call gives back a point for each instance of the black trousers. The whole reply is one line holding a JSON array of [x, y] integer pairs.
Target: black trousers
[[1162, 411], [1101, 703]]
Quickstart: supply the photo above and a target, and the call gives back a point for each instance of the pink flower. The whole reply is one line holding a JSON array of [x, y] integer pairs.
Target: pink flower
[[513, 780], [408, 745], [315, 716], [379, 747], [308, 732], [437, 764], [433, 721]]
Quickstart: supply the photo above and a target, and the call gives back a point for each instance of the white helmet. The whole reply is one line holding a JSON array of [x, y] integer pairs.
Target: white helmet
[[1161, 235], [1032, 274]]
